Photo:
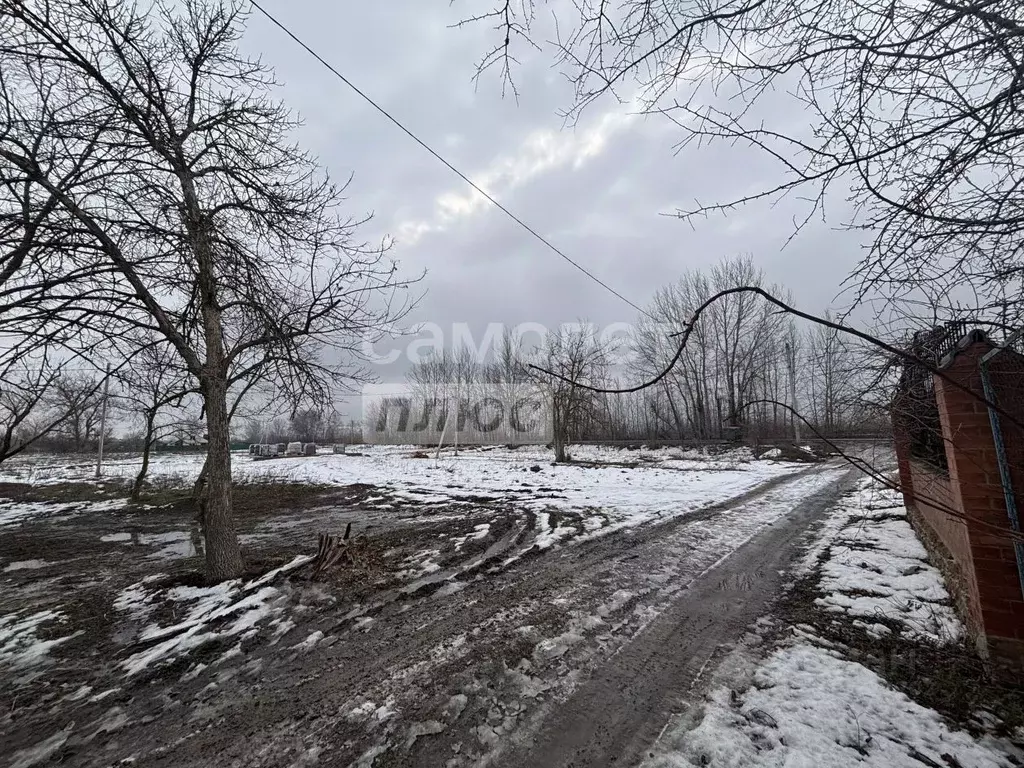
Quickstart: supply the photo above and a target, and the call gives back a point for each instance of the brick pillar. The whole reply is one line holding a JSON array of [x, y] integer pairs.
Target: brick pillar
[[995, 597]]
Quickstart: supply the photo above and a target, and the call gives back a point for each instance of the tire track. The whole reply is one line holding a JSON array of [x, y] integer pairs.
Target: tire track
[[621, 709], [424, 651]]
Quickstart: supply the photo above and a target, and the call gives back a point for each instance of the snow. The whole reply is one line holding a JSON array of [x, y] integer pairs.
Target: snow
[[568, 501], [554, 647], [26, 565], [310, 641], [16, 512], [807, 707], [20, 645], [172, 543], [41, 752], [878, 568], [225, 610], [479, 532], [419, 565], [663, 482], [103, 694], [548, 534], [12, 512]]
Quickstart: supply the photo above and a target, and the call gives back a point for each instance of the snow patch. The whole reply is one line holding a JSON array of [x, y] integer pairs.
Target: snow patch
[[309, 642], [27, 565], [878, 569], [20, 644], [25, 758], [221, 611], [806, 707]]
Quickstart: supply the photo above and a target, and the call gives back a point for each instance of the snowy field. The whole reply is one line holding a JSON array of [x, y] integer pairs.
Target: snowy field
[[806, 703], [103, 619], [543, 505], [633, 487]]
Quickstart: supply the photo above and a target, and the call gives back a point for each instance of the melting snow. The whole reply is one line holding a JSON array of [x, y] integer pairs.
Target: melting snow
[[15, 512], [807, 707], [664, 482], [479, 532], [42, 751], [208, 614], [309, 642], [879, 569], [20, 645], [27, 565]]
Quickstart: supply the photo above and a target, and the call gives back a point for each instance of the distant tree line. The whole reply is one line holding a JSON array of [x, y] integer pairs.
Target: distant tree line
[[734, 379]]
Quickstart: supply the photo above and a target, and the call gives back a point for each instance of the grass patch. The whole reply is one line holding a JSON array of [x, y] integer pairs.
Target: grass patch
[[247, 498], [258, 498]]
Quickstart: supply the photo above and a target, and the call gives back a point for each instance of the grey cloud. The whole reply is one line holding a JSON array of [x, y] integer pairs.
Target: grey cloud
[[605, 212]]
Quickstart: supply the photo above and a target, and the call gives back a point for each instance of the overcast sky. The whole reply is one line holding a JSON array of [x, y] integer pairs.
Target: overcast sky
[[599, 190]]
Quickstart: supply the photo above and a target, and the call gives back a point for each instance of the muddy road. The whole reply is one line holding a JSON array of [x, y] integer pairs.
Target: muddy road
[[509, 654]]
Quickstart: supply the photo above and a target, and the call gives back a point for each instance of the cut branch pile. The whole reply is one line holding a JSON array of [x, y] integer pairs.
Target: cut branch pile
[[331, 550]]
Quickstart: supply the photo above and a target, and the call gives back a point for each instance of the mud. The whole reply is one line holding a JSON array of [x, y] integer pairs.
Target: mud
[[504, 654]]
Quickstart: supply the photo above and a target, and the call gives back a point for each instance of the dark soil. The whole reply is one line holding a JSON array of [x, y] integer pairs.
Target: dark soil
[[462, 663]]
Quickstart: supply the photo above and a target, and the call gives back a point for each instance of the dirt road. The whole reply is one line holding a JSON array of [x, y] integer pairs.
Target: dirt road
[[613, 717], [564, 656]]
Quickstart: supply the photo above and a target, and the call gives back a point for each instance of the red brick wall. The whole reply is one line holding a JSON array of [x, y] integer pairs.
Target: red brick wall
[[978, 491], [974, 547], [946, 538], [933, 497]]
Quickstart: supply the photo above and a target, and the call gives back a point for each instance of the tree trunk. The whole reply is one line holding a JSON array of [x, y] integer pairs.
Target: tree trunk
[[557, 428], [223, 556], [147, 443], [199, 484]]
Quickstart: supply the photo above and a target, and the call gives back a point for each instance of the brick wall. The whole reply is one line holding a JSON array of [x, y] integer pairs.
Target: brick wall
[[972, 546], [946, 538]]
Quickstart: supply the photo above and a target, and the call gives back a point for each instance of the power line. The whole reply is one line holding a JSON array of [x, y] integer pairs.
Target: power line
[[443, 161]]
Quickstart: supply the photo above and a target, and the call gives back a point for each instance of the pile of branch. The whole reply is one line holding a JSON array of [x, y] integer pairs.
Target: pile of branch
[[331, 550]]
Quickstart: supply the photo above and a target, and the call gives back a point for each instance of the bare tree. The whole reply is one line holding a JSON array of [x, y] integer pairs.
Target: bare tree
[[912, 113], [27, 389], [223, 238], [153, 385], [832, 378], [736, 354], [577, 355], [80, 399], [255, 430], [307, 425]]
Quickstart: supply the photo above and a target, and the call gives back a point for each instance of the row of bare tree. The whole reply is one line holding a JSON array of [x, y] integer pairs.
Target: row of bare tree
[[307, 425], [745, 362], [735, 377]]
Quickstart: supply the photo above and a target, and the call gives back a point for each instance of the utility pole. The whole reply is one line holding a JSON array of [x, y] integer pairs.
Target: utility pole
[[791, 364], [103, 421]]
